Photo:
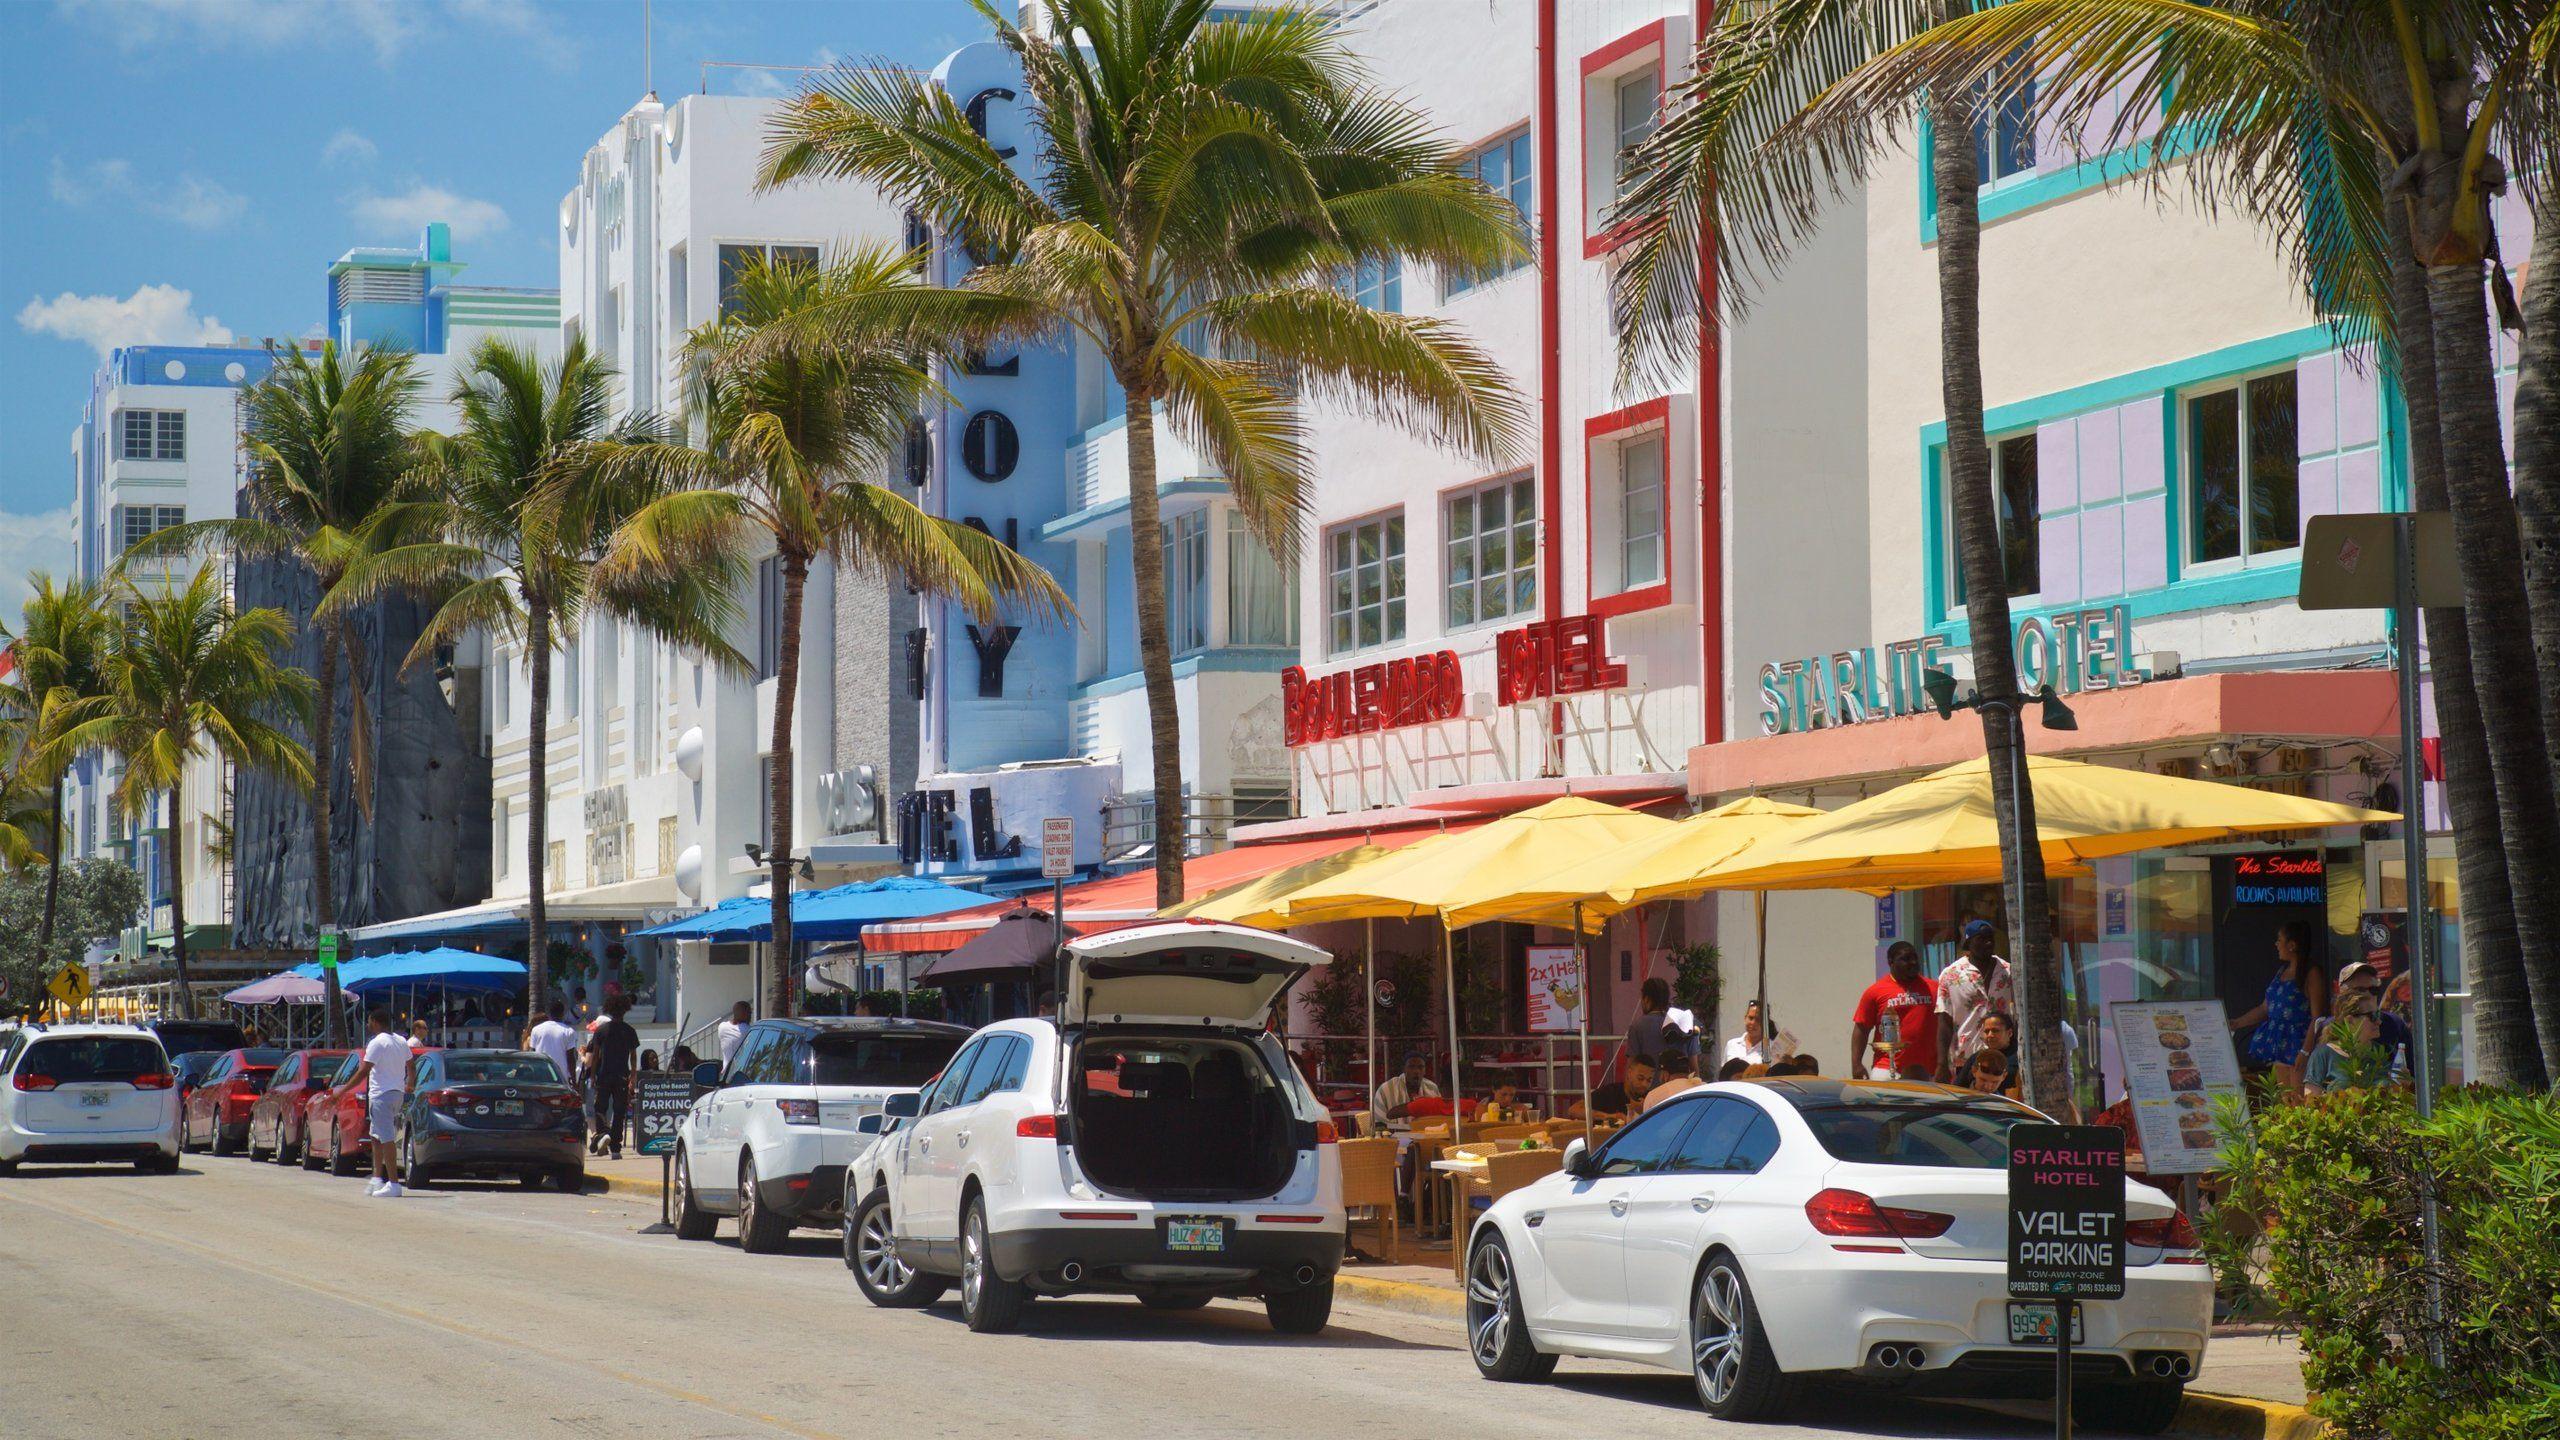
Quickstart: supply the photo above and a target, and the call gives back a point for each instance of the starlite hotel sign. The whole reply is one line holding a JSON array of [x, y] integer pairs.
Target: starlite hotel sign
[[2072, 651]]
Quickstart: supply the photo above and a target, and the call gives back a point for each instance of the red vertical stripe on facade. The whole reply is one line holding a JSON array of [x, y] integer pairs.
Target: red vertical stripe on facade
[[1710, 465], [1550, 337]]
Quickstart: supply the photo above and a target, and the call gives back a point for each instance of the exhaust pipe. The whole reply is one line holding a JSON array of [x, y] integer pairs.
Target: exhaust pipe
[[1914, 1358], [2182, 1367], [1072, 1271], [1306, 1275], [1886, 1357], [2162, 1366]]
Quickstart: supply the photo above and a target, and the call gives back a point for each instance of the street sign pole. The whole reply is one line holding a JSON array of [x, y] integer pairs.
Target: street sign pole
[[2413, 863], [1057, 862]]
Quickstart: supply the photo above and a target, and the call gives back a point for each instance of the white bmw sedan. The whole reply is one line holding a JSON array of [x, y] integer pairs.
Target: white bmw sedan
[[1759, 1232]]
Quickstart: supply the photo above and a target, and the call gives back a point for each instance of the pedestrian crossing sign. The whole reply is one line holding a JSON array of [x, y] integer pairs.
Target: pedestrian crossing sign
[[70, 984]]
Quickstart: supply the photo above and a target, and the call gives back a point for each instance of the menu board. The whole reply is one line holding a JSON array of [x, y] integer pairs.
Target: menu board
[[1556, 995], [2178, 1064]]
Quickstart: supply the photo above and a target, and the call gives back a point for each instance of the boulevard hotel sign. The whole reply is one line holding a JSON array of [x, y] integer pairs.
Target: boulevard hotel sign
[[2073, 651], [1543, 660]]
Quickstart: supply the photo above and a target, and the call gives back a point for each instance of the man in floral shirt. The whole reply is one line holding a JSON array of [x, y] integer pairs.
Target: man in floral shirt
[[1976, 984]]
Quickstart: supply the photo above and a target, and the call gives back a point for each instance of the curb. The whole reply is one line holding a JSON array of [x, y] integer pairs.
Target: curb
[[625, 1185], [1443, 1302], [2238, 1417]]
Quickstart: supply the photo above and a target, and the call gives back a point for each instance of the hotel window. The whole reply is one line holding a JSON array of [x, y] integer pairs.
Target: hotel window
[[1262, 597], [1186, 581], [564, 684], [2016, 513], [2004, 126], [768, 618], [666, 844], [1638, 113], [154, 435], [1377, 283], [1639, 498], [2244, 470], [736, 260], [135, 523], [1364, 584], [1492, 548], [555, 863], [1504, 167], [504, 847]]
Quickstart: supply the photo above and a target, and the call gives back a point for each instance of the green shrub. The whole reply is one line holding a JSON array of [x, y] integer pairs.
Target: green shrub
[[2325, 1201]]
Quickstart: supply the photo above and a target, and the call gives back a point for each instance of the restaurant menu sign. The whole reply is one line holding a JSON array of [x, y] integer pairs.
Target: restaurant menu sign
[[2066, 1212], [1556, 992], [2178, 1063]]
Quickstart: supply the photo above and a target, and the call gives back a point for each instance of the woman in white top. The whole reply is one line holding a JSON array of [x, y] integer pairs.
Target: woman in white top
[[1752, 1047]]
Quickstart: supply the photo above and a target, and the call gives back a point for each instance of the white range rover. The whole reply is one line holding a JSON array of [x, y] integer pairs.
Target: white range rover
[[1153, 1141]]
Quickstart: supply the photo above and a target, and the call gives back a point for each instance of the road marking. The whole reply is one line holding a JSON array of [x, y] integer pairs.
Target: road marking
[[421, 1317]]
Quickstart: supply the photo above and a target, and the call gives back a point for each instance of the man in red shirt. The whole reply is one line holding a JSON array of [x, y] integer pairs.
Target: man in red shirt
[[1895, 1026]]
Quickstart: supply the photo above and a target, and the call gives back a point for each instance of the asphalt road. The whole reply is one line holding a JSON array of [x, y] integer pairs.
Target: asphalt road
[[238, 1299]]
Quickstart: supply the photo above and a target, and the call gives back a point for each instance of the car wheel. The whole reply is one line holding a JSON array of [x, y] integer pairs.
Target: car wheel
[[1737, 1376], [308, 1152], [760, 1230], [2143, 1407], [871, 1253], [533, 1179], [222, 1146], [8, 1167], [339, 1164], [158, 1165], [1173, 1302], [254, 1152], [1497, 1333], [413, 1176], [1302, 1311], [692, 1221], [186, 1134], [989, 1302], [570, 1182]]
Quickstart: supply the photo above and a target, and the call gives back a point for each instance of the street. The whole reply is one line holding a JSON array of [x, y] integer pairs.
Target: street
[[246, 1300]]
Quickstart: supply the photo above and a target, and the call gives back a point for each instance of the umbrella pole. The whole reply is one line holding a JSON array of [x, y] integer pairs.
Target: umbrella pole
[[1760, 917], [1449, 981], [1369, 981], [1582, 938]]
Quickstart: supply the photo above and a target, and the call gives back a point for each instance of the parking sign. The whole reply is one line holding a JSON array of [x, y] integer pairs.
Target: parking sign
[[1057, 848]]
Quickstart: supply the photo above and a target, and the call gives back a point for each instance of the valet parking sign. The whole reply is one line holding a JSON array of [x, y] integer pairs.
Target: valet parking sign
[[2066, 1212]]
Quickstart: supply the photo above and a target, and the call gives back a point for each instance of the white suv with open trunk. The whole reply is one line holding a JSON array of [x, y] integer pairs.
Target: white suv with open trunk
[[1153, 1141]]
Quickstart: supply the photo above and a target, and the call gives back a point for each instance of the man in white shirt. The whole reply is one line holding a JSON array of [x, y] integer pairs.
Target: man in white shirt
[[1972, 986], [554, 1038], [733, 1030], [1395, 1098], [384, 1072]]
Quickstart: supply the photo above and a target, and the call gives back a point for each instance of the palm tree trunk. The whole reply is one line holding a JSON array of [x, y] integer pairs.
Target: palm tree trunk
[[786, 695], [324, 774], [537, 827], [2486, 539], [1986, 588], [178, 901], [1155, 645], [2537, 490], [52, 878], [2492, 960]]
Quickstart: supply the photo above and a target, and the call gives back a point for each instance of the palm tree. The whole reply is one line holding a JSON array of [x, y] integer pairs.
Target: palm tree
[[189, 678], [2369, 139], [790, 430], [1203, 184], [505, 520], [326, 439], [1730, 161], [60, 649]]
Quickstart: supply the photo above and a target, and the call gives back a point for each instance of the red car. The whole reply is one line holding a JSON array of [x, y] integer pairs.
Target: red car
[[333, 1129], [217, 1108], [281, 1110]]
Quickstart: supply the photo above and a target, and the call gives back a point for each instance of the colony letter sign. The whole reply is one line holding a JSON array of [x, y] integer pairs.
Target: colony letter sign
[[2066, 1211]]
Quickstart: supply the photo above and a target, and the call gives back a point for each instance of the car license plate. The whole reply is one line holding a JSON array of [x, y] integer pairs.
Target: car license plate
[[94, 1099], [511, 1107], [1196, 1236], [2032, 1323]]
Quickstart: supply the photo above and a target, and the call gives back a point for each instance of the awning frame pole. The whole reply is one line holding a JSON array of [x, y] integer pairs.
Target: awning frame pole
[[1582, 942], [1449, 982]]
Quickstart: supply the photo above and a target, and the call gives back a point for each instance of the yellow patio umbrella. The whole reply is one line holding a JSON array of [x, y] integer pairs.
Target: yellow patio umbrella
[[1471, 875], [1943, 824], [1661, 864]]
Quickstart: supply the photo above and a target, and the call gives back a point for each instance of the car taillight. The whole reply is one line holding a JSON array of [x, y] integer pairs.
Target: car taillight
[[1326, 1134], [564, 1102], [162, 1081], [445, 1099], [1036, 1127], [798, 1112], [29, 1080], [2171, 1232], [1850, 1213]]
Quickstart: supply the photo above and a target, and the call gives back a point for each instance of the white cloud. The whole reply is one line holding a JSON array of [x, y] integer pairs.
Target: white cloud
[[348, 147], [189, 200], [151, 315], [31, 543], [402, 214], [386, 26]]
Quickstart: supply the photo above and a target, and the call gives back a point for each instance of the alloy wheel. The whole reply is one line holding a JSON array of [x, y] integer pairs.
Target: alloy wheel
[[1489, 1304], [876, 1251], [973, 1266], [1716, 1334]]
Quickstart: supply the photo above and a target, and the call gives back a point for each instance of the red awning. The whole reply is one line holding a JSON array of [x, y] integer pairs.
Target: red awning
[[1116, 900]]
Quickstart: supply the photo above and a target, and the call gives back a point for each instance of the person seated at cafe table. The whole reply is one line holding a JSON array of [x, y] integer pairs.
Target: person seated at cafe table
[[1618, 1097], [1678, 1074], [1504, 1107], [1394, 1099], [1988, 1073], [1734, 1069]]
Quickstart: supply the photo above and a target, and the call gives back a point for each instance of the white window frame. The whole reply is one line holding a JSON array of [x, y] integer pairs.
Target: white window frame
[[164, 434], [1186, 581], [1521, 178], [2190, 560], [1462, 552], [1377, 282], [137, 523], [765, 248], [1627, 134], [1390, 576], [1624, 497]]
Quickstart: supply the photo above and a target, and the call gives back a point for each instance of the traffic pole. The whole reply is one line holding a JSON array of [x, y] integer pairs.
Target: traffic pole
[[2413, 862]]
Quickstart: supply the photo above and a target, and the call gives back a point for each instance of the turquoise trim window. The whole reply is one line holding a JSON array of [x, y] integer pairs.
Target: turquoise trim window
[[2117, 464], [2041, 169]]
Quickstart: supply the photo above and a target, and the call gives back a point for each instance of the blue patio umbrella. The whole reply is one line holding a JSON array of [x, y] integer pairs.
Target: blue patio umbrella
[[837, 913], [442, 968]]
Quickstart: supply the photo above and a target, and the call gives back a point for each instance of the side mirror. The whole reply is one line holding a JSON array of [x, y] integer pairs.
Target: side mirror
[[871, 1124], [905, 1105], [1578, 1160], [706, 1076]]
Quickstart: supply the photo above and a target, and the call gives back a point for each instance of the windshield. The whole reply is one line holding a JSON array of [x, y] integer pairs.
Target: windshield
[[344, 1068], [1952, 1134], [104, 1057], [320, 1068], [897, 1061], [263, 1059], [182, 1036], [197, 1064], [513, 1069]]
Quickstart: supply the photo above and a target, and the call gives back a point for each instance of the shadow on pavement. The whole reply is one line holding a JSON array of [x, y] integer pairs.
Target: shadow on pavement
[[1118, 1318], [39, 1170]]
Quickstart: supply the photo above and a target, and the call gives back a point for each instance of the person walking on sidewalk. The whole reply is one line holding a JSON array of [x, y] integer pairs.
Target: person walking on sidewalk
[[554, 1038], [609, 1053], [384, 1072], [733, 1030]]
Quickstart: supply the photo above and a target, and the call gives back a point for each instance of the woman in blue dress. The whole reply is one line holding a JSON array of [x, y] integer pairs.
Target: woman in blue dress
[[2280, 1026]]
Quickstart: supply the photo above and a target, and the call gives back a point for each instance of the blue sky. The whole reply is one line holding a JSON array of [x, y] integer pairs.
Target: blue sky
[[178, 170]]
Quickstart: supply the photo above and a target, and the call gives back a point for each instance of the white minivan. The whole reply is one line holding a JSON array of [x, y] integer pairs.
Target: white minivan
[[82, 1094], [1155, 1140]]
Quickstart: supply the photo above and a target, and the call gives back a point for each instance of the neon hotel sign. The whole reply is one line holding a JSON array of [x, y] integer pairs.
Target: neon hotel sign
[[2073, 651], [1542, 660]]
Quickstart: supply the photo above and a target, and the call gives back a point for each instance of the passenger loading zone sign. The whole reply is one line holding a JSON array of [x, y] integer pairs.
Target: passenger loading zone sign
[[2066, 1211]]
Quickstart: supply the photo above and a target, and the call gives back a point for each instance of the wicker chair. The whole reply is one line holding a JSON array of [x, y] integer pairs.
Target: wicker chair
[[1369, 1183]]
